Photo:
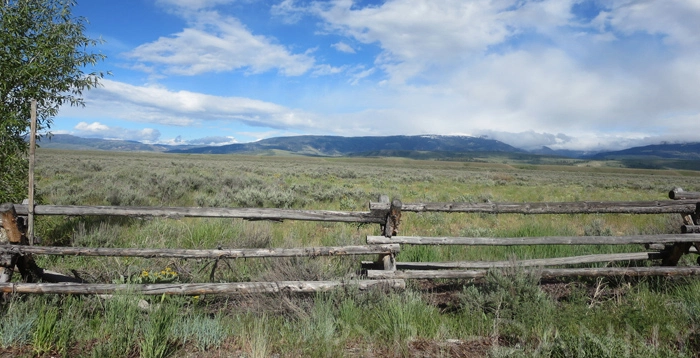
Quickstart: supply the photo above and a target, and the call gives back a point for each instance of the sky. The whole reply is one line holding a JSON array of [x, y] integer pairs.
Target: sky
[[567, 74]]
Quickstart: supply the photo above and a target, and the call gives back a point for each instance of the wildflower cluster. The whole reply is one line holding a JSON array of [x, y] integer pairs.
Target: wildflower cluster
[[163, 276]]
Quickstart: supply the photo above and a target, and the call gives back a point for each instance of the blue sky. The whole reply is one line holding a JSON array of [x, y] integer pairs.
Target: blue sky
[[568, 74]]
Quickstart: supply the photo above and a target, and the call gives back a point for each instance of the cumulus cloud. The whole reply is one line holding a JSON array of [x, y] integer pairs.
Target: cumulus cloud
[[216, 43], [99, 130], [418, 34]]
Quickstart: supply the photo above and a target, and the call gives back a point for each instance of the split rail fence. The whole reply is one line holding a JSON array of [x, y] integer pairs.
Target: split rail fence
[[16, 253]]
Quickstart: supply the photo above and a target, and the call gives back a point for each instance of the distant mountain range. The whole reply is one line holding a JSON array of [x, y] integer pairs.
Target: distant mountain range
[[685, 151], [70, 142], [420, 147], [563, 152], [360, 146]]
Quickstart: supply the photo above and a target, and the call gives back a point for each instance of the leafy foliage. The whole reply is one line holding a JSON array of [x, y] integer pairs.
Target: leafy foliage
[[43, 55]]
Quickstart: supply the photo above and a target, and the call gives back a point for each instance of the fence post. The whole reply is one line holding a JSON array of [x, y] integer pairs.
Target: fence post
[[11, 234], [15, 230], [393, 219], [390, 227], [678, 249], [32, 151]]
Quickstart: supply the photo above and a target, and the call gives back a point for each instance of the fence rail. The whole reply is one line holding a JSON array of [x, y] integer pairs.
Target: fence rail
[[669, 248], [543, 273], [547, 240], [203, 254], [180, 212], [199, 288], [577, 207], [557, 261], [377, 211]]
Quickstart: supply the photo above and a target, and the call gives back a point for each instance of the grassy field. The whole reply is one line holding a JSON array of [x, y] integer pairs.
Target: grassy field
[[503, 315]]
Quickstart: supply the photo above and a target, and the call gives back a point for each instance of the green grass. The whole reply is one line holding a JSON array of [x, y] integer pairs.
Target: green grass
[[648, 317]]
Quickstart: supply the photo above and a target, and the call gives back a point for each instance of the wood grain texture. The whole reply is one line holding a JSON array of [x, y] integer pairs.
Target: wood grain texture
[[200, 288], [544, 273], [547, 240], [572, 260], [178, 212], [576, 207], [203, 254]]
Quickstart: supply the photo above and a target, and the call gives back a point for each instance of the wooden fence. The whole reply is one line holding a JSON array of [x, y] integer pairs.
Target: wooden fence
[[16, 253]]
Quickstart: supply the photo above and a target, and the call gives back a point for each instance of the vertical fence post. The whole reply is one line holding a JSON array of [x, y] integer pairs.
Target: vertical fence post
[[393, 219], [15, 230], [32, 150], [678, 249], [13, 234], [389, 229]]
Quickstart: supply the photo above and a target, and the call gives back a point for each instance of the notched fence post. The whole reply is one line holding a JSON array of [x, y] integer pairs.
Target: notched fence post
[[9, 234], [689, 220], [390, 227], [393, 219], [12, 224], [15, 230]]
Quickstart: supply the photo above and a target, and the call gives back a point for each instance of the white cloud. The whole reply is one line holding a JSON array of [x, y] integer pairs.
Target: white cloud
[[288, 11], [99, 130], [417, 34], [257, 136], [215, 43], [95, 127], [207, 141], [324, 70], [343, 47], [156, 104], [359, 74], [543, 16], [676, 20], [528, 140]]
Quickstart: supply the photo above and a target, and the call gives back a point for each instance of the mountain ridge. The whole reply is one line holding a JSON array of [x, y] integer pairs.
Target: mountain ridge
[[341, 146], [418, 146], [684, 151]]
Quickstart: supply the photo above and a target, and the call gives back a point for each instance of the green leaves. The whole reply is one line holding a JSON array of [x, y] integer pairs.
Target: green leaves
[[43, 56]]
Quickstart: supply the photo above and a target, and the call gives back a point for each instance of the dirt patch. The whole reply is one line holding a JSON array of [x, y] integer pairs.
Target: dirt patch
[[423, 348], [558, 291], [478, 347]]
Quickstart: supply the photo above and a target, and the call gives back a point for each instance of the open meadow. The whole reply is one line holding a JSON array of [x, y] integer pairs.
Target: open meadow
[[501, 316]]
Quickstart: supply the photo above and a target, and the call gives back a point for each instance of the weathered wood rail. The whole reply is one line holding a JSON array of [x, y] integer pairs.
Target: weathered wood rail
[[205, 254], [233, 213], [544, 273], [557, 261], [547, 240], [385, 272], [17, 254], [670, 247], [576, 207], [199, 288]]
